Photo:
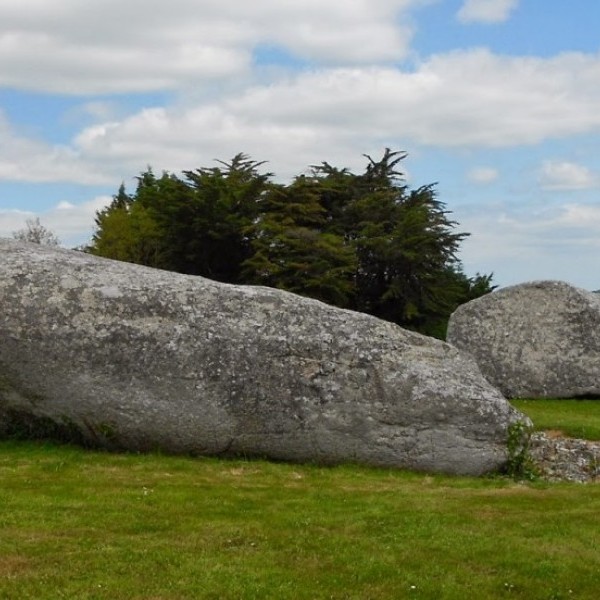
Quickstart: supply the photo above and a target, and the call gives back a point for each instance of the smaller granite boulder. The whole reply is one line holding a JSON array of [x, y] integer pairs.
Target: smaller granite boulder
[[539, 339]]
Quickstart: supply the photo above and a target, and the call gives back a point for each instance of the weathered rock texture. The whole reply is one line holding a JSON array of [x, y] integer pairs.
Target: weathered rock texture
[[137, 358], [559, 458], [539, 339]]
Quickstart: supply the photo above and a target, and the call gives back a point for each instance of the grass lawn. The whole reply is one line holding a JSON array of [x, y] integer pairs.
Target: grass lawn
[[80, 524], [574, 418]]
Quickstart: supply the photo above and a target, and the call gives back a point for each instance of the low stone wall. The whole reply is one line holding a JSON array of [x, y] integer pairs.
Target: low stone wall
[[565, 459]]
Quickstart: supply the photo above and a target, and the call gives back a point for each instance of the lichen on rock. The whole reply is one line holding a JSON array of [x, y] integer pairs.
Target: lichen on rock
[[533, 340], [185, 364]]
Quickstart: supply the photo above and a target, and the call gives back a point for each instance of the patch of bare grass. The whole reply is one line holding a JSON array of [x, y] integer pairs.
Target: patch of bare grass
[[563, 418]]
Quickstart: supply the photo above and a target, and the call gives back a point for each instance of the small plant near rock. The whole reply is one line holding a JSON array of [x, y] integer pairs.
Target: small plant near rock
[[520, 464]]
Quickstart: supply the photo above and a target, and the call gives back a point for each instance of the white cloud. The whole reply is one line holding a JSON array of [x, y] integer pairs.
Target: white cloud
[[491, 100], [72, 223], [482, 175], [25, 159], [564, 175], [64, 205], [554, 243], [353, 98], [11, 220], [97, 110], [486, 11], [468, 99], [110, 46], [583, 216]]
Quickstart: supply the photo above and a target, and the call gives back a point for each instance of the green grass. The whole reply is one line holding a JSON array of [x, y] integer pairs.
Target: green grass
[[573, 418], [84, 525]]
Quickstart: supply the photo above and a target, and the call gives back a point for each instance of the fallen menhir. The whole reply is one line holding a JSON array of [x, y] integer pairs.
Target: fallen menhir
[[135, 358]]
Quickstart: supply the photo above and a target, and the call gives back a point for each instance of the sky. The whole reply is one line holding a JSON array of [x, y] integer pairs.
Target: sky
[[496, 101]]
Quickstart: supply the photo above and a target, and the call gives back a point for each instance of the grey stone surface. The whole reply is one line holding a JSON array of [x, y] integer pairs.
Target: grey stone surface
[[137, 358], [559, 458], [538, 339]]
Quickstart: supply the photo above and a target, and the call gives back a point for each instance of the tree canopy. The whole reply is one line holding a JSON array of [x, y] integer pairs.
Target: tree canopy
[[36, 233], [361, 241]]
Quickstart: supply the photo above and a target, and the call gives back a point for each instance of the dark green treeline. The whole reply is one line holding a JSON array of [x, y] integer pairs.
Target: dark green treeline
[[365, 242]]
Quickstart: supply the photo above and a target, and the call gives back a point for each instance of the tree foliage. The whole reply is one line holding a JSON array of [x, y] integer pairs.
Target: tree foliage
[[36, 233], [361, 241], [292, 248]]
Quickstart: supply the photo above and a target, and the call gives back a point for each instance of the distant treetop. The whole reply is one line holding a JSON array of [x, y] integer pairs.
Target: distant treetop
[[36, 233], [360, 241]]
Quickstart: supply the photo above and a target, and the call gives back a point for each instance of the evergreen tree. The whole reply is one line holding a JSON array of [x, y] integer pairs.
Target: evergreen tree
[[126, 231], [195, 225], [291, 250], [362, 241], [404, 241]]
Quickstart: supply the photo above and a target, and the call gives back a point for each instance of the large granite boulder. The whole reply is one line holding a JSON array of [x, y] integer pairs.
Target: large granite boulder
[[539, 339], [131, 357]]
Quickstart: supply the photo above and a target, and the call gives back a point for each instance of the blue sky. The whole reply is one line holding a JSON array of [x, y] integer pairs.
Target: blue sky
[[498, 101]]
